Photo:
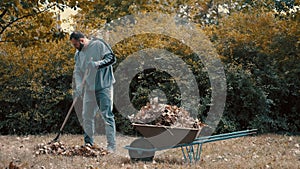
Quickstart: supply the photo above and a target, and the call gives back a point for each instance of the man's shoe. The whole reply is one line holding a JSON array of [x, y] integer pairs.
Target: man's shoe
[[88, 145], [95, 146], [111, 150]]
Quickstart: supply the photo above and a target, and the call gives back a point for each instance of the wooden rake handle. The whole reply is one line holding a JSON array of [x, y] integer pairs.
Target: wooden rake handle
[[71, 108]]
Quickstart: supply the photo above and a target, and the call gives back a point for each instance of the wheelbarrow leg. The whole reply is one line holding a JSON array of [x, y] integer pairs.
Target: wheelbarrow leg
[[198, 152], [183, 153], [190, 153]]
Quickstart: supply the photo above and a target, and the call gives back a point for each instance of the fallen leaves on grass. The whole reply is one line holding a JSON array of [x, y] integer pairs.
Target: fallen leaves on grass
[[59, 148], [14, 165]]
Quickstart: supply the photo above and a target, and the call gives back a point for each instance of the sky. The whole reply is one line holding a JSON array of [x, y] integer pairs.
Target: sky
[[66, 19]]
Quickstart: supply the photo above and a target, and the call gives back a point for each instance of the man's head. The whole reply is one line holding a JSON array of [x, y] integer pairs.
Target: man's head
[[77, 39]]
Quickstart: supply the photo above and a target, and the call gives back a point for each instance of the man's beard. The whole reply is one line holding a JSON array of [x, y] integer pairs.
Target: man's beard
[[81, 45]]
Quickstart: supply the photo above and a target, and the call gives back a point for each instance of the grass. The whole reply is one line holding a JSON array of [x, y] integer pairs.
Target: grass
[[263, 151]]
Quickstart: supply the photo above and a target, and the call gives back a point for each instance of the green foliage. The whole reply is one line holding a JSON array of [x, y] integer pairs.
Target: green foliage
[[35, 88], [266, 48], [245, 100], [153, 80]]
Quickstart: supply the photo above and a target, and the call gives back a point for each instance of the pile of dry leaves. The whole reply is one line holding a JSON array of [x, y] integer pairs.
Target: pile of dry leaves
[[165, 115], [58, 148]]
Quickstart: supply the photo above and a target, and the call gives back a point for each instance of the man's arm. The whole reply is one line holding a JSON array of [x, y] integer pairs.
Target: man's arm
[[109, 57], [77, 73]]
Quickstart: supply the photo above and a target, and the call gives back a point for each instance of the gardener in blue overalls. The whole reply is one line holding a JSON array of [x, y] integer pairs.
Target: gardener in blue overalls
[[96, 57]]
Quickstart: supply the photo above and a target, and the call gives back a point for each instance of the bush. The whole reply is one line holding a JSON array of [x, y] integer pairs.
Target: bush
[[35, 94], [266, 49]]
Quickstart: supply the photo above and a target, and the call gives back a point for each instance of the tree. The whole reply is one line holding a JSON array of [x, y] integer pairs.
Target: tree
[[29, 22]]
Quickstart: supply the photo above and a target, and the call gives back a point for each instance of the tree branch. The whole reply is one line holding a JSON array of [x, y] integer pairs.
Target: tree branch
[[22, 17], [3, 13]]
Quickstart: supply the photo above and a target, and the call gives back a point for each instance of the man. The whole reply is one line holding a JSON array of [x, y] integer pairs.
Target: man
[[93, 60]]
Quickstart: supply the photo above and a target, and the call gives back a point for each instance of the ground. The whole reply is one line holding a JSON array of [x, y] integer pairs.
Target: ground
[[261, 151]]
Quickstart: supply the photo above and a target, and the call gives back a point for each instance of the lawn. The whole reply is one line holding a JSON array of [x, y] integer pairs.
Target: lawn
[[262, 151]]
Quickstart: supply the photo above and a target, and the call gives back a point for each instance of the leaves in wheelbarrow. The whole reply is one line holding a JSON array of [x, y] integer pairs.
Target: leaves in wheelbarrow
[[58, 148], [165, 115]]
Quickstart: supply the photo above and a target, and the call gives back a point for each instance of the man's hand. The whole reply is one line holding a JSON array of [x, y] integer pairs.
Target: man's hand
[[91, 65]]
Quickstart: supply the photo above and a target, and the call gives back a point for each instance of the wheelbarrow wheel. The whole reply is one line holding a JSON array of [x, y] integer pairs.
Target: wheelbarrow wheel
[[145, 154]]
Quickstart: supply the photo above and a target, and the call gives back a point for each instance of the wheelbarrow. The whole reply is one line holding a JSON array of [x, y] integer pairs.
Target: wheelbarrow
[[158, 138]]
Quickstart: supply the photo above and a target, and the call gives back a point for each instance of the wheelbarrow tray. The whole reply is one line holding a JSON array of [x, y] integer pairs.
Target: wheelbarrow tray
[[167, 136]]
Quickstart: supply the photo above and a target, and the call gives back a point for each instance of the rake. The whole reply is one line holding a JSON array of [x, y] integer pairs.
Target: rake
[[70, 110]]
